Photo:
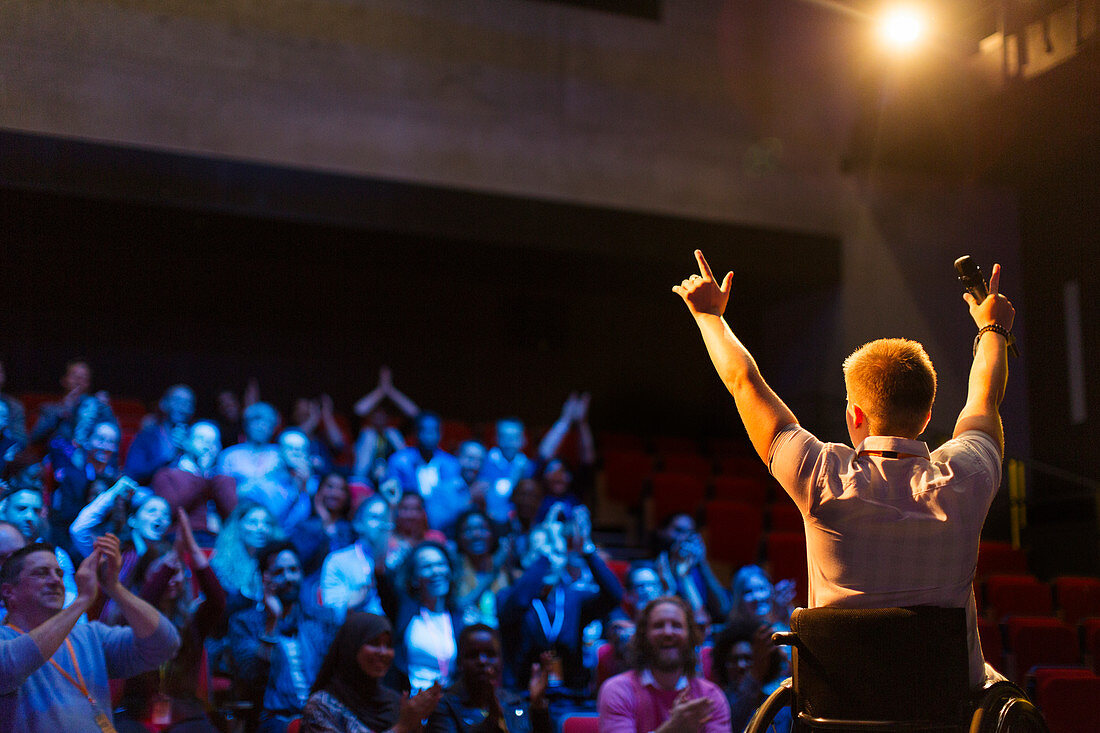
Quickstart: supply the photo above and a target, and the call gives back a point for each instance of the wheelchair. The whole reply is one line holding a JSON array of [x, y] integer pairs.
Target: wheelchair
[[889, 669]]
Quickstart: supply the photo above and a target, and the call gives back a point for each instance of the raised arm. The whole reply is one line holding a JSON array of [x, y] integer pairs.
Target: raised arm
[[989, 372], [141, 617], [761, 410]]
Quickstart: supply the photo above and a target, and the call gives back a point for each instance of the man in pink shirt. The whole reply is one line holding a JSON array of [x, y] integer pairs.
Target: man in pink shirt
[[888, 523], [661, 694]]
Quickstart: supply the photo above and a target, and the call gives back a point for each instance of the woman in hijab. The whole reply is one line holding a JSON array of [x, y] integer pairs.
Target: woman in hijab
[[348, 696]]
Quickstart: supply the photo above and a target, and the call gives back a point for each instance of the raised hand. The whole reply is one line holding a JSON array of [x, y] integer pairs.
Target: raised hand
[[687, 713], [540, 679], [87, 578], [110, 561], [417, 708], [273, 611], [785, 591], [185, 541], [582, 525], [702, 293], [996, 308], [580, 408]]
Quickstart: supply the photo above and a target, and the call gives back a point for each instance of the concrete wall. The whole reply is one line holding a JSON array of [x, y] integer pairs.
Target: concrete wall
[[728, 111]]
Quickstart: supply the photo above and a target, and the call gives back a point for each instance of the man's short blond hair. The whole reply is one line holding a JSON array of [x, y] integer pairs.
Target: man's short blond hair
[[894, 383]]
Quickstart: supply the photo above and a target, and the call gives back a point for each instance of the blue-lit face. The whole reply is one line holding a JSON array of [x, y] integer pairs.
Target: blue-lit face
[[510, 438], [179, 405], [428, 434], [259, 427], [433, 574], [152, 519]]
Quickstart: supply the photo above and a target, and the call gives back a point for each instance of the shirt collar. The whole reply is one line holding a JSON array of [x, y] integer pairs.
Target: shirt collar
[[647, 680], [890, 443]]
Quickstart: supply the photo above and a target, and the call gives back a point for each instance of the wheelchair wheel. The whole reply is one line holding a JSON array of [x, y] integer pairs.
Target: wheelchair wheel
[[762, 721], [1005, 709]]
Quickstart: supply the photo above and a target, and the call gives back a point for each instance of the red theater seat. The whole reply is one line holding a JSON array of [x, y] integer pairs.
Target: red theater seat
[[675, 444], [1078, 597], [733, 532], [677, 493], [1017, 595], [625, 473], [1039, 640], [783, 516], [989, 633], [692, 463], [1090, 632], [581, 724], [786, 558], [741, 488], [1067, 698], [999, 558]]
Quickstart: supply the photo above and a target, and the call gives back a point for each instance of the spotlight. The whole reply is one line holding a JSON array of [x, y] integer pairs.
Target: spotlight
[[902, 28]]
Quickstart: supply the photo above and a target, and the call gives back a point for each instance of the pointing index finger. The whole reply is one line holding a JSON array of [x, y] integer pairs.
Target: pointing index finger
[[704, 268], [995, 280]]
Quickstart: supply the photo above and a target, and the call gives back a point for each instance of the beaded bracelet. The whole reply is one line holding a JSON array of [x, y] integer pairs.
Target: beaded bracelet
[[995, 328]]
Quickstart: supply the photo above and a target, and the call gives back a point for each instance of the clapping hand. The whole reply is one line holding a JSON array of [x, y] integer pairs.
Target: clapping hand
[[540, 679], [687, 713], [110, 562], [418, 707]]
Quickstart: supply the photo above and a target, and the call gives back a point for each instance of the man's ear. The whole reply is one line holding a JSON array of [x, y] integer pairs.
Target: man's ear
[[927, 419], [856, 416], [5, 591]]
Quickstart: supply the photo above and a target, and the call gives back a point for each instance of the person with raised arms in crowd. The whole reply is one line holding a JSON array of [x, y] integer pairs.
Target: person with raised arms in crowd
[[53, 671]]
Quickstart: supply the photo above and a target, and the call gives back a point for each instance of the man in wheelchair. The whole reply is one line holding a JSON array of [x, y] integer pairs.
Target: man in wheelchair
[[888, 523]]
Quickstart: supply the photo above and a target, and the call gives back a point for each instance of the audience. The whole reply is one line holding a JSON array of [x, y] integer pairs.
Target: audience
[[249, 530], [476, 704], [38, 696], [378, 439], [11, 441], [662, 693], [349, 696], [15, 429], [411, 526], [744, 662], [328, 527], [682, 563], [161, 442], [22, 507], [347, 575], [138, 518], [191, 485], [255, 462], [425, 467], [171, 696], [545, 611], [81, 471], [59, 419], [420, 600], [481, 576], [505, 464], [277, 646], [310, 416], [521, 559]]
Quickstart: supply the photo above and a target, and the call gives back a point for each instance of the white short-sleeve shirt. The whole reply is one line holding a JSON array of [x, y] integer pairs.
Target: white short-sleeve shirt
[[890, 524]]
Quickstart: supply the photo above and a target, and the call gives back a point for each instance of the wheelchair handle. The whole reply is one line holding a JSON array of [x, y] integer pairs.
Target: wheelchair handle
[[784, 638]]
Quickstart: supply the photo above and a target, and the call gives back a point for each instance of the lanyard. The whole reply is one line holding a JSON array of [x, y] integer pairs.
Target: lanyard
[[101, 718], [72, 655], [552, 629]]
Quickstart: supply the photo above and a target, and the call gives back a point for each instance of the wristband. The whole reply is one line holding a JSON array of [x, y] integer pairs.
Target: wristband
[[995, 328]]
